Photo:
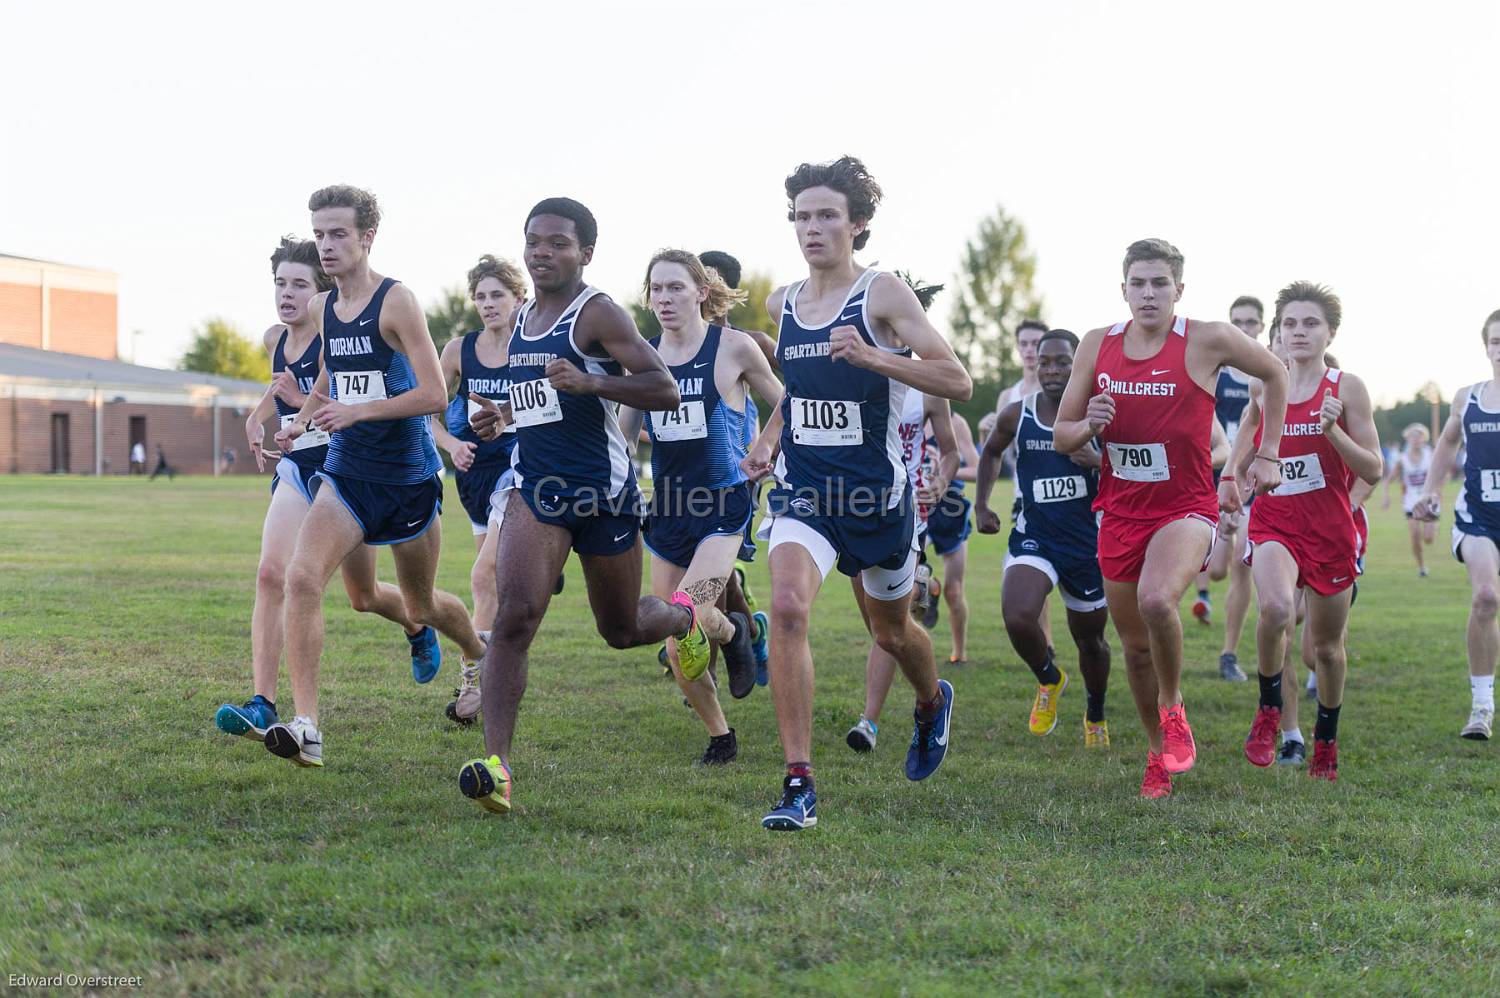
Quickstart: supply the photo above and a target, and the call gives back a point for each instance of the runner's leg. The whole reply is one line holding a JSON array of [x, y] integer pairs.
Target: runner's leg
[[416, 573], [278, 540], [955, 566], [1174, 555], [666, 579], [329, 533]]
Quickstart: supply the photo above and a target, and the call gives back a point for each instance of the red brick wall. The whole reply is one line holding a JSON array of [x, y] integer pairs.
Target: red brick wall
[[84, 322], [21, 314], [7, 435]]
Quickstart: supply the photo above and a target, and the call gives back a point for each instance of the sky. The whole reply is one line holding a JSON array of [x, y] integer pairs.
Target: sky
[[1348, 143]]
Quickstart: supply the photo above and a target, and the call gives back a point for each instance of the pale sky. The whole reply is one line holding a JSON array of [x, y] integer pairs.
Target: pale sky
[[1349, 143]]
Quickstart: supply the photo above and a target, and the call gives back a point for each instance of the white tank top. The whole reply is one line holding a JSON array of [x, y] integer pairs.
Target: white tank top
[[1414, 477]]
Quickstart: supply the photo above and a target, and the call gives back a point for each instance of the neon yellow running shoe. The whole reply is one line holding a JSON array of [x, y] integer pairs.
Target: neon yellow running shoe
[[487, 783], [1095, 736], [1044, 708], [692, 649], [739, 572]]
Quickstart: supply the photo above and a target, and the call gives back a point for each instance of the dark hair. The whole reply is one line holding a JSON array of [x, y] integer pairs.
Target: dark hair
[[848, 176], [305, 252], [366, 208], [1251, 301], [727, 266], [507, 273], [1484, 332], [925, 292], [1155, 249], [1059, 334], [1319, 294], [1030, 324], [582, 219]]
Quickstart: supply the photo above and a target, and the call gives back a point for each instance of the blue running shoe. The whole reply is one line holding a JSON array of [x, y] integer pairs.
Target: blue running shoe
[[426, 655], [251, 720], [798, 808], [761, 646], [929, 742]]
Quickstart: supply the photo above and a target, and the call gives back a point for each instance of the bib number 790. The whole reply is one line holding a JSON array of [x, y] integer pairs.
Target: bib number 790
[[1139, 462]]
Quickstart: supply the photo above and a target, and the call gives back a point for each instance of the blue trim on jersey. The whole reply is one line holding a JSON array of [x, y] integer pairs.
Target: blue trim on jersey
[[488, 382], [305, 369], [711, 461], [1481, 437], [1067, 526]]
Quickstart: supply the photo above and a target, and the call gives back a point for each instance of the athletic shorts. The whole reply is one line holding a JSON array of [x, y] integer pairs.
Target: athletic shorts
[[599, 526], [388, 514], [1324, 578], [677, 522], [1075, 573], [1470, 530], [475, 487], [881, 548], [948, 524], [297, 474], [1123, 542]]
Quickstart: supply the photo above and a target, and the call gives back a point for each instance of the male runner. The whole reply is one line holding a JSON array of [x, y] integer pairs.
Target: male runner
[[948, 531], [1052, 543], [1411, 469], [380, 483], [296, 355], [574, 481], [1144, 388], [846, 342], [1028, 334], [1474, 426]]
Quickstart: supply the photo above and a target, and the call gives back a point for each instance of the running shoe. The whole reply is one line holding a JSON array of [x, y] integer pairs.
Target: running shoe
[[1292, 753], [861, 737], [464, 706], [929, 739], [739, 657], [761, 645], [1202, 609], [1044, 707], [692, 649], [299, 741], [919, 596], [1095, 736], [1229, 668], [258, 714], [1325, 761], [1312, 686], [486, 782], [956, 661], [426, 655], [1478, 728], [1421, 574], [930, 615], [798, 808], [721, 749], [739, 573], [1157, 782], [1178, 752], [1260, 744]]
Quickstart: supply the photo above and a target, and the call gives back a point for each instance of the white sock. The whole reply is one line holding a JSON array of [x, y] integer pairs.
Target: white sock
[[1483, 689], [1312, 680], [1292, 735], [303, 718]]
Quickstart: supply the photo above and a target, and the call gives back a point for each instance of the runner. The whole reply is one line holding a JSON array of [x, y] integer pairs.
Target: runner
[[948, 531], [1473, 426], [1053, 542], [1302, 534], [702, 502], [846, 342], [1411, 468], [1153, 411], [380, 483], [575, 484], [298, 277], [1029, 333]]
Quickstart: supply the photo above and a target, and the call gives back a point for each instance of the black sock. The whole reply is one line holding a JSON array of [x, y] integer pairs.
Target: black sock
[[1094, 712], [1270, 691], [1047, 672], [1203, 594], [726, 737], [1326, 728], [929, 710]]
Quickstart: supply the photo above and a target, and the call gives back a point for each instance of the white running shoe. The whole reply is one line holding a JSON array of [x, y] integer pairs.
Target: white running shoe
[[861, 737], [464, 706], [1478, 728], [298, 741]]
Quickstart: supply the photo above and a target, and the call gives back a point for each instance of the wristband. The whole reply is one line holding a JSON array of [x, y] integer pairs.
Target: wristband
[[1266, 457], [1226, 478]]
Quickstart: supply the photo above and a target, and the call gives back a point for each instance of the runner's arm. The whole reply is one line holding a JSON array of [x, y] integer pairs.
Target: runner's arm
[[995, 444], [969, 468], [934, 370], [1353, 432], [604, 324], [1072, 428], [938, 412], [1218, 445], [403, 325], [451, 362], [631, 421], [755, 369], [1242, 352], [1443, 456]]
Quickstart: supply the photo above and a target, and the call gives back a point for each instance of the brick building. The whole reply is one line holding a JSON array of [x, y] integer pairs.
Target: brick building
[[55, 306]]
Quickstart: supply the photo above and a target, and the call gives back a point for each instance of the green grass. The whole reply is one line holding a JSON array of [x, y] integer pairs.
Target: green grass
[[136, 839]]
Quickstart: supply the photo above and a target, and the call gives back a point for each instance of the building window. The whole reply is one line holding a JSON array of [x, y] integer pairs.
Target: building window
[[60, 457]]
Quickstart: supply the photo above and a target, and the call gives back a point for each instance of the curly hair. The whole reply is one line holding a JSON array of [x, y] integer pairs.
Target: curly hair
[[721, 297], [503, 271], [848, 176], [305, 252], [584, 225], [366, 208]]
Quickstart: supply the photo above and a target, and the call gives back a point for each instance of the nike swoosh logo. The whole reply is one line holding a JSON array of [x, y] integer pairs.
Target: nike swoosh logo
[[623, 536], [1341, 579], [943, 740], [1090, 592], [414, 523], [1155, 373], [366, 322], [696, 366]]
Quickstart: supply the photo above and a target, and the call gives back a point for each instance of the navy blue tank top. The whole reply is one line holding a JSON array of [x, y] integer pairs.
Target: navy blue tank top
[[1056, 495], [489, 382], [700, 443], [362, 367], [842, 429], [1231, 395], [1478, 504], [305, 449], [570, 443]]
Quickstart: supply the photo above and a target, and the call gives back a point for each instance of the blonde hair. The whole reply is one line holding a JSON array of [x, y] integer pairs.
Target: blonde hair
[[1421, 430], [721, 297], [503, 271]]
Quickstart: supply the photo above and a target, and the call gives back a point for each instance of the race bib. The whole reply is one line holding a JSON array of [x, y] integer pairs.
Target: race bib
[[1489, 485], [1059, 489], [686, 422], [312, 438], [359, 387], [820, 423], [533, 403], [1300, 474], [1139, 462]]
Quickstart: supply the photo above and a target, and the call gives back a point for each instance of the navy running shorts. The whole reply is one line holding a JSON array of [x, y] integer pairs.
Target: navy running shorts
[[677, 522], [948, 524], [388, 514], [1075, 572], [475, 487], [297, 474], [599, 526], [881, 538]]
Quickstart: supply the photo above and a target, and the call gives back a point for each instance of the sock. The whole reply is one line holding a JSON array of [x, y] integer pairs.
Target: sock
[[1203, 595], [721, 739], [1094, 712], [927, 711], [1326, 729], [1483, 690], [802, 769], [1270, 691], [1292, 735], [1047, 673]]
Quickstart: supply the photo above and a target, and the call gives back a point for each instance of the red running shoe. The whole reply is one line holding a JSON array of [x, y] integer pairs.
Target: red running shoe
[[1325, 761], [1178, 752], [1157, 782], [1203, 610], [1260, 746]]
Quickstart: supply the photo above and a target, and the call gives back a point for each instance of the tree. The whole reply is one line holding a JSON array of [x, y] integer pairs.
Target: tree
[[453, 314], [993, 294], [1390, 421], [219, 348]]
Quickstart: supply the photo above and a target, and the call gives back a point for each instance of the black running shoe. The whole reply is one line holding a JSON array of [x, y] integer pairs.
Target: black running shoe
[[1292, 754], [739, 657], [721, 750], [562, 580]]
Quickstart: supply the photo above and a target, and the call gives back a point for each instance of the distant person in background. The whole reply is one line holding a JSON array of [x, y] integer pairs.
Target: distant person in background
[[137, 458], [1411, 467], [162, 467]]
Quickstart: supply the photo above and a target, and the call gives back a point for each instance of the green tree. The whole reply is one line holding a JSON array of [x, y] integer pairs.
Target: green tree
[[993, 293], [453, 314], [219, 348], [1390, 421]]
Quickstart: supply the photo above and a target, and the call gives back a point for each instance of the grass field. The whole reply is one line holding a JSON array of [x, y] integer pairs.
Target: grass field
[[135, 839]]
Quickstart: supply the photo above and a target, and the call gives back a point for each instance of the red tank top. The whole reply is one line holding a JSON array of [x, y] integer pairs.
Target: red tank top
[[1312, 502], [1157, 459]]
